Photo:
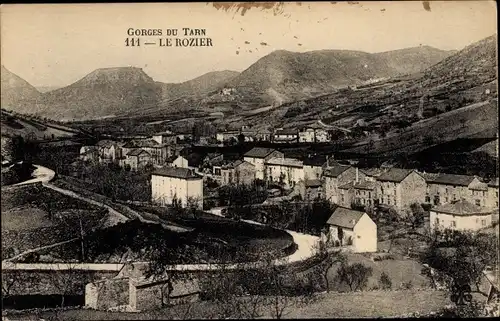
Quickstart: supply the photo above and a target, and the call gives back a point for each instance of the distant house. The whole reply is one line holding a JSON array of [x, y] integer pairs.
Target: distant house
[[321, 135], [263, 135], [108, 151], [445, 188], [226, 136], [288, 135], [257, 156], [137, 158], [492, 201], [399, 188], [171, 183], [181, 162], [336, 175], [353, 229], [313, 189], [212, 158], [313, 166], [286, 171], [460, 215], [167, 137], [89, 153], [361, 193], [159, 151], [306, 135], [237, 172]]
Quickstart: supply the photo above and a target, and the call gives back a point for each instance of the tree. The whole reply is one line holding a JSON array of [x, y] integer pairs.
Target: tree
[[241, 139], [328, 260], [385, 281], [414, 216], [355, 275]]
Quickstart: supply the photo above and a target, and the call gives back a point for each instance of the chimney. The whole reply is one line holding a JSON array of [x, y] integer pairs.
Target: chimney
[[357, 175]]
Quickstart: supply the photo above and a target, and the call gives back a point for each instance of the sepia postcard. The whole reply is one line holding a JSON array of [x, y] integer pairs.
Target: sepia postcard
[[276, 160]]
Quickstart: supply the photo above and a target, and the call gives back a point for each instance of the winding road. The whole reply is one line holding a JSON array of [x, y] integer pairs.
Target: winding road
[[305, 243]]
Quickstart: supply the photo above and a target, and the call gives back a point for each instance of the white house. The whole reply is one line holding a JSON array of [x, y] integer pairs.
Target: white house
[[287, 171], [460, 215], [171, 183], [355, 229], [180, 162], [307, 135], [257, 157]]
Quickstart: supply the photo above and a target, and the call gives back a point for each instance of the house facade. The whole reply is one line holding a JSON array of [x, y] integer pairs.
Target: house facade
[[257, 156], [109, 151], [159, 151], [352, 229], [361, 193], [313, 167], [168, 138], [460, 215], [399, 188], [286, 171], [238, 172], [445, 188], [136, 159], [307, 136], [492, 201], [286, 136], [171, 183], [181, 162], [337, 175]]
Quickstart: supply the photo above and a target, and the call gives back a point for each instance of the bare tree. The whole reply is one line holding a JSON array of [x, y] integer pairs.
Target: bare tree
[[328, 260], [355, 275]]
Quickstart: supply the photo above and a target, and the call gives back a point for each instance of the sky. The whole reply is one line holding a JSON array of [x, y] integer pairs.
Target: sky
[[58, 44]]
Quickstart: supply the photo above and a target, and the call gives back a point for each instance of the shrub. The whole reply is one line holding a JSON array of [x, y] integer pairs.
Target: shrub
[[355, 275], [407, 285], [385, 281]]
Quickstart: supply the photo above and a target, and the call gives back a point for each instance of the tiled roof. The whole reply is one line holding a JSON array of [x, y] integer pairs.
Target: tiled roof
[[292, 162], [177, 172], [367, 185], [313, 183], [462, 207], [136, 152], [335, 170], [347, 186], [371, 171], [394, 175], [259, 152], [287, 131], [106, 143], [452, 179], [345, 217]]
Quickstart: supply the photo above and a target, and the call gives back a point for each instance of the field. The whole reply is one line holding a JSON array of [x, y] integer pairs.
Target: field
[[329, 305], [35, 216]]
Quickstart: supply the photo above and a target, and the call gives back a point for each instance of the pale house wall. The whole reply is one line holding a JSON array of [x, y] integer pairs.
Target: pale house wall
[[411, 190], [462, 223], [365, 235], [180, 162]]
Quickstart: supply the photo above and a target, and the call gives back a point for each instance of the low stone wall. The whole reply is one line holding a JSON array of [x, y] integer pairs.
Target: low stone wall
[[107, 294]]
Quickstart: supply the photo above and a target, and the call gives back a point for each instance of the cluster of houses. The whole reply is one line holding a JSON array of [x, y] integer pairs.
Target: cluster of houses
[[457, 201], [307, 134]]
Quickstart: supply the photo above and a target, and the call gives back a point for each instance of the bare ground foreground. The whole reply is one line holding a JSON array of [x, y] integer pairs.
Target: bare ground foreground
[[329, 305]]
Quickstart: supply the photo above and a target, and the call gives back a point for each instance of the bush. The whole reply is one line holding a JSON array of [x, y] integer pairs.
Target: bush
[[385, 281], [355, 275], [407, 285]]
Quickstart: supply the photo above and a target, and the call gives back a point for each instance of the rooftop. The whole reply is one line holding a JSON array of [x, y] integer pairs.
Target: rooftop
[[493, 182], [451, 179], [367, 185], [394, 175], [287, 131], [463, 208], [176, 172], [292, 162], [335, 170], [313, 183], [318, 160], [136, 152], [106, 143], [371, 171], [345, 217], [259, 152]]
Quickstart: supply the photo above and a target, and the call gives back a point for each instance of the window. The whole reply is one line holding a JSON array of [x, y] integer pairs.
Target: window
[[484, 193], [446, 199], [454, 197], [453, 224], [483, 222], [437, 220], [427, 199], [436, 200], [478, 202]]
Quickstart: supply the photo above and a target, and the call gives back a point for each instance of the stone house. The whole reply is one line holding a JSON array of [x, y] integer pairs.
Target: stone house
[[460, 215], [159, 151], [362, 193], [337, 175], [286, 171], [445, 188], [137, 158], [167, 137], [171, 183], [89, 153], [288, 135], [257, 156], [313, 189], [307, 136], [352, 229], [181, 162], [109, 151], [399, 188], [313, 166], [321, 135], [492, 201], [237, 172]]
